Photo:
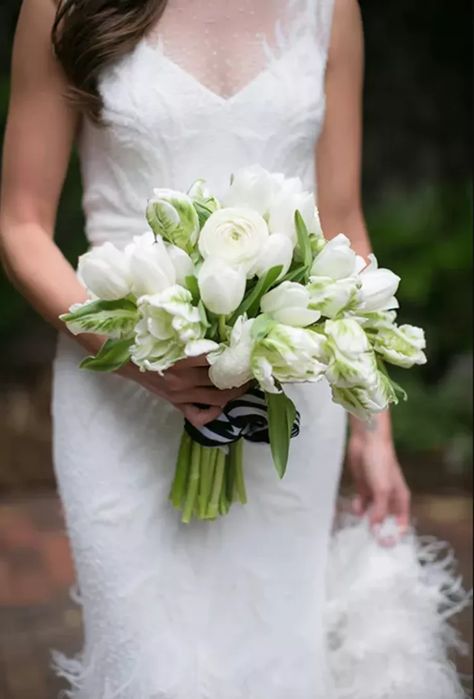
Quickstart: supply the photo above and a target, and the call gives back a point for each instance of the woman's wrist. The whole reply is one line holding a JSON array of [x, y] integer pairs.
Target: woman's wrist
[[378, 430]]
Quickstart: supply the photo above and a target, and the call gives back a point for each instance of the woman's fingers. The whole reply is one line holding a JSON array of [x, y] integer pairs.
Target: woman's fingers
[[379, 508], [401, 506], [199, 416]]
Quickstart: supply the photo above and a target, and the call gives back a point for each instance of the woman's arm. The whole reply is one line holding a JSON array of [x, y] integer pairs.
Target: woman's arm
[[38, 141], [371, 454], [40, 132]]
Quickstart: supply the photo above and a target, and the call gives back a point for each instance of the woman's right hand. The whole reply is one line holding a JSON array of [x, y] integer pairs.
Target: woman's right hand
[[185, 385]]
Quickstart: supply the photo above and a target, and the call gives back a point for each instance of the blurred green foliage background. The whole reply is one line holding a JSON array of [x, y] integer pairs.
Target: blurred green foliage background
[[418, 199]]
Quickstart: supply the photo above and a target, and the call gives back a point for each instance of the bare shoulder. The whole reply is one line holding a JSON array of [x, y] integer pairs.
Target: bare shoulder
[[347, 33]]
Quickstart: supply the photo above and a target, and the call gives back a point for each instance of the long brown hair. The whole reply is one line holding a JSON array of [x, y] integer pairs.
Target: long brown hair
[[87, 35]]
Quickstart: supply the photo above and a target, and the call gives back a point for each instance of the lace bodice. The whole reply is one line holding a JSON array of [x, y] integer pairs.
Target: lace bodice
[[214, 87]]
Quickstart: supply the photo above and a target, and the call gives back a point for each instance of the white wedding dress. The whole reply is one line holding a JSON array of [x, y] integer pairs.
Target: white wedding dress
[[249, 606]]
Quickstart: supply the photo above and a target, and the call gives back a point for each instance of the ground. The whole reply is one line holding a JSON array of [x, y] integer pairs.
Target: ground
[[36, 612]]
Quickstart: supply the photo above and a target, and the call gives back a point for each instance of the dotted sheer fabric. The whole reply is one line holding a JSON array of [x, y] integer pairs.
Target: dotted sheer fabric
[[226, 46], [235, 609]]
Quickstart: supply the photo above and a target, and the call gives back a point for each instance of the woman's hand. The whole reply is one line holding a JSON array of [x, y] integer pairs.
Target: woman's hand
[[185, 385], [380, 485]]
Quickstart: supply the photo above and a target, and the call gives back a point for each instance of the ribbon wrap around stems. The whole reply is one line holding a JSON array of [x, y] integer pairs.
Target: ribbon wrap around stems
[[243, 418]]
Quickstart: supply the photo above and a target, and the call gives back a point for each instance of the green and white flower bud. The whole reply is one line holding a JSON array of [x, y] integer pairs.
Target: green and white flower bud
[[288, 355], [401, 345], [364, 402], [200, 193], [172, 216], [351, 359], [170, 328], [333, 296]]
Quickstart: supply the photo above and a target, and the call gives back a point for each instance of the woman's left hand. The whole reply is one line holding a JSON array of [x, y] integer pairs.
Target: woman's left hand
[[381, 489]]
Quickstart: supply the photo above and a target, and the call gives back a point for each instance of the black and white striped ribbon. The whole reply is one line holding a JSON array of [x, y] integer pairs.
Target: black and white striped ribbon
[[244, 418]]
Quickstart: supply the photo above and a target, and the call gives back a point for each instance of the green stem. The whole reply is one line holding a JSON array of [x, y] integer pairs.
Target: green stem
[[182, 469], [193, 483], [205, 481], [213, 509], [231, 471], [239, 472], [222, 328]]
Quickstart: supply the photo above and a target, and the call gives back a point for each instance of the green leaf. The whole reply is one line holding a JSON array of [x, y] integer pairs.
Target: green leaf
[[281, 417], [202, 211], [296, 275], [251, 303], [112, 355], [193, 287], [115, 318], [304, 242]]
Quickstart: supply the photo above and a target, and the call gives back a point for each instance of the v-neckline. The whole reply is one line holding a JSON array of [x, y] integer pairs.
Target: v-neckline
[[160, 53]]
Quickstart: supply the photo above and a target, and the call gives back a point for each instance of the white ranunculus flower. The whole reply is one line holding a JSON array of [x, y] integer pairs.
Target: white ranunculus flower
[[288, 354], [333, 296], [151, 267], [172, 216], [366, 402], [234, 235], [105, 272], [401, 345], [170, 328], [276, 198], [336, 260], [379, 287], [230, 365], [277, 252], [288, 303], [351, 359], [182, 263], [221, 285]]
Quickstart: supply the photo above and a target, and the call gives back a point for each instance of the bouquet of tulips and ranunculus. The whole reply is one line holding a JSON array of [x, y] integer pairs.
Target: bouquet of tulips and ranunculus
[[250, 282]]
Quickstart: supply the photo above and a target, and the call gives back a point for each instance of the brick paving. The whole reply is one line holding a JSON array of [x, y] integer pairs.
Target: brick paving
[[36, 573]]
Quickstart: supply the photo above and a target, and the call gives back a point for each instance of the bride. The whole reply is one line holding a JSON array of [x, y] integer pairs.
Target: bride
[[158, 93]]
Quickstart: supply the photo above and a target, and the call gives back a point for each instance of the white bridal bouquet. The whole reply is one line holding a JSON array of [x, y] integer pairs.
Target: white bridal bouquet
[[250, 282]]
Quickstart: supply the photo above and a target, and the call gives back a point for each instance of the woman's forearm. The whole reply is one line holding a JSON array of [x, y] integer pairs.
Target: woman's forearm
[[40, 272]]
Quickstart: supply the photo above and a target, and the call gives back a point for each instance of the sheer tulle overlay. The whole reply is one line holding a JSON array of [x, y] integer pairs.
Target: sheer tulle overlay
[[251, 606]]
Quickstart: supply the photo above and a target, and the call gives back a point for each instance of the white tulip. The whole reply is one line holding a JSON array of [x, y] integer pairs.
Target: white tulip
[[379, 287], [105, 272], [150, 265], [288, 303], [288, 354], [333, 296], [402, 346], [230, 365], [172, 216], [336, 260], [254, 188], [170, 328], [282, 214], [277, 252], [351, 360], [182, 263], [234, 235], [221, 285]]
